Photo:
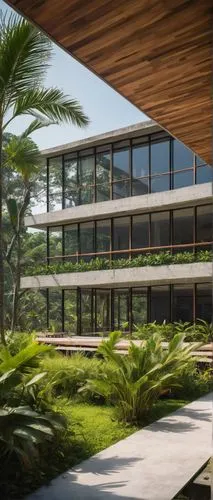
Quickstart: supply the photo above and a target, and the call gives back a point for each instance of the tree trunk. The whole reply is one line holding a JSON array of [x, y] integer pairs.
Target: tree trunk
[[16, 286], [2, 334]]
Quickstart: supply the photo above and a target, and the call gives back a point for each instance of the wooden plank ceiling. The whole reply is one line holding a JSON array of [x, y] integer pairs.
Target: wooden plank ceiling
[[156, 53]]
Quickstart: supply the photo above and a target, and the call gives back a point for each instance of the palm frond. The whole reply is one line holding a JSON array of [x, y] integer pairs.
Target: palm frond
[[52, 104], [24, 56]]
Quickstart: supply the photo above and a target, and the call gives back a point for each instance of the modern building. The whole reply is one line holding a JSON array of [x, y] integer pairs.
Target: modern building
[[119, 195]]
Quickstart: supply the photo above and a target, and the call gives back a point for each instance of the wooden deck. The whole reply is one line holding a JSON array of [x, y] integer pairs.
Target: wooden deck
[[90, 344]]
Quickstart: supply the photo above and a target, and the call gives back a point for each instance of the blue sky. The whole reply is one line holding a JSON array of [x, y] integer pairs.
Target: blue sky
[[106, 109]]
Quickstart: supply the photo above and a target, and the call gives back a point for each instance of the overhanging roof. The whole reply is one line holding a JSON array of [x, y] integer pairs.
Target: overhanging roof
[[156, 53]]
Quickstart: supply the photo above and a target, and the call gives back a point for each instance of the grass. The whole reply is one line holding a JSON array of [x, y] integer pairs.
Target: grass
[[91, 428]]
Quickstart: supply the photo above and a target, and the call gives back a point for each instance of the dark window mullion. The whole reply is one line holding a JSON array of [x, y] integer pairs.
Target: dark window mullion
[[48, 245], [150, 159], [78, 306], [48, 188], [62, 310], [194, 303], [111, 172], [130, 167], [47, 311], [63, 183], [172, 163], [112, 308]]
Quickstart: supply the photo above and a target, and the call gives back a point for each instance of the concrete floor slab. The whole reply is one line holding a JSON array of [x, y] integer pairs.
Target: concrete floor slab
[[151, 464]]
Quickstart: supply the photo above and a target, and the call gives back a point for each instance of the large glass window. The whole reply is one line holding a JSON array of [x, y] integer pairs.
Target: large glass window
[[71, 180], [204, 174], [121, 309], [121, 173], [121, 232], [183, 156], [71, 242], [87, 179], [103, 236], [204, 302], [55, 244], [70, 311], [160, 229], [140, 186], [55, 183], [121, 189], [183, 227], [183, 179], [87, 239], [103, 310], [182, 303], [140, 161], [139, 307], [160, 157], [140, 231], [121, 164], [160, 183], [55, 310], [204, 224], [103, 176], [160, 303], [86, 311], [34, 305]]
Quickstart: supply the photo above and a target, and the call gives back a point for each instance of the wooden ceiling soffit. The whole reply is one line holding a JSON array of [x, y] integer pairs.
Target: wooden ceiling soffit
[[155, 53]]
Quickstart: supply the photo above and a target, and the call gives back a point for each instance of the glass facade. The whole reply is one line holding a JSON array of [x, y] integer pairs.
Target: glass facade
[[125, 237], [132, 167], [118, 170], [86, 311]]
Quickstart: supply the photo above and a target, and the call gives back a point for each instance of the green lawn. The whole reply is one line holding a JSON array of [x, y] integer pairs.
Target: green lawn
[[91, 428]]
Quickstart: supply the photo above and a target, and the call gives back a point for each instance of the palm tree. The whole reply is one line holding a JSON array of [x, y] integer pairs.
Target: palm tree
[[22, 156], [24, 56]]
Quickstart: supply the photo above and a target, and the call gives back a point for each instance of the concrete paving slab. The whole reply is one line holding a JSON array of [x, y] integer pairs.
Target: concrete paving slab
[[151, 464]]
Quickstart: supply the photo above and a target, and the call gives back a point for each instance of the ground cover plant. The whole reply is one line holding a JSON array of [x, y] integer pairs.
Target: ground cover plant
[[148, 259]]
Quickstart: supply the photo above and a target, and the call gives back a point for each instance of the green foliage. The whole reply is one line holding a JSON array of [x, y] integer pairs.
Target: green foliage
[[18, 340], [195, 381], [201, 331], [137, 380], [68, 374], [98, 264], [22, 429]]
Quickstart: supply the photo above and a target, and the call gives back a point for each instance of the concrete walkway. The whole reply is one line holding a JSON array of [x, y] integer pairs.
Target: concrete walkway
[[151, 464]]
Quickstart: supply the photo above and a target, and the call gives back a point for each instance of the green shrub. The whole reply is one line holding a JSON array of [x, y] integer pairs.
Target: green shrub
[[22, 428], [194, 382], [18, 340], [139, 378], [69, 374], [96, 264], [201, 331]]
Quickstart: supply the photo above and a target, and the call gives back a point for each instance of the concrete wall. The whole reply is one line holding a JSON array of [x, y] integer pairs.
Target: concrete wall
[[192, 195], [150, 275], [138, 129]]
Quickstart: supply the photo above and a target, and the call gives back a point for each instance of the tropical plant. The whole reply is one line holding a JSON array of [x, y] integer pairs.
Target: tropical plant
[[195, 381], [201, 331], [21, 428], [22, 156], [140, 377], [24, 56], [68, 374], [101, 264]]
